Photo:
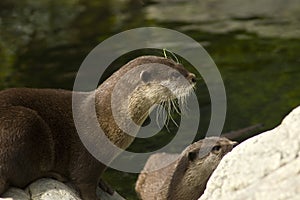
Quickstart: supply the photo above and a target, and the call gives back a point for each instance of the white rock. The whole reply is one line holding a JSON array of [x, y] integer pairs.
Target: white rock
[[266, 166], [49, 189]]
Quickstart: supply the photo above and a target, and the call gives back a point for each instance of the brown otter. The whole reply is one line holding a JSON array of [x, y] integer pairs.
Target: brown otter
[[185, 178], [38, 137]]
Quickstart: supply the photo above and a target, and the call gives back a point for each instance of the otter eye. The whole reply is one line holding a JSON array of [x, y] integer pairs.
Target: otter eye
[[175, 74], [216, 148]]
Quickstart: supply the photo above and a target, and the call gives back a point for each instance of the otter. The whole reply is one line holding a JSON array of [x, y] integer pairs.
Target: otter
[[186, 177], [38, 137]]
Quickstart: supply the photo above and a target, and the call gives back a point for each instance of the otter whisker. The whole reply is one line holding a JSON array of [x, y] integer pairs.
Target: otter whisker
[[175, 106], [168, 109], [157, 117], [170, 115], [143, 116], [168, 118], [179, 106], [164, 110], [174, 121], [184, 103], [180, 102], [168, 127], [160, 112]]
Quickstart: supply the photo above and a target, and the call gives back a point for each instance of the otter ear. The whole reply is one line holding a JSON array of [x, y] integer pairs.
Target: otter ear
[[192, 155], [145, 76]]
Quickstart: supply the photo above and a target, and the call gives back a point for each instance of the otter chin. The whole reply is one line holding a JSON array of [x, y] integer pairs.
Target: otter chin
[[38, 137]]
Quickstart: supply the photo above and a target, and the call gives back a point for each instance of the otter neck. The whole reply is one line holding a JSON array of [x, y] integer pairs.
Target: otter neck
[[106, 120], [185, 183], [143, 100], [140, 106], [131, 111], [188, 188]]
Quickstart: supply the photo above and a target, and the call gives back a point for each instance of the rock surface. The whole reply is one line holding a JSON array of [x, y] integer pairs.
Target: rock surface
[[266, 166], [49, 189]]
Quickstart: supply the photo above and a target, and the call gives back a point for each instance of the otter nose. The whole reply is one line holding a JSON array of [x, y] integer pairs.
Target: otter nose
[[191, 78]]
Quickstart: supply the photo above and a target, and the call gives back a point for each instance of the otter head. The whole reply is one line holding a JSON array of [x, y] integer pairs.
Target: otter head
[[140, 85], [166, 80], [208, 152], [196, 164], [160, 80]]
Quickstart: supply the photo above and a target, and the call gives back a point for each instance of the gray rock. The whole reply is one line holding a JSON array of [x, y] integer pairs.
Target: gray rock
[[263, 167], [49, 189]]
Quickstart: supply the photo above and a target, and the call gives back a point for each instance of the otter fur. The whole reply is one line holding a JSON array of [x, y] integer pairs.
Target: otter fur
[[38, 137], [186, 177]]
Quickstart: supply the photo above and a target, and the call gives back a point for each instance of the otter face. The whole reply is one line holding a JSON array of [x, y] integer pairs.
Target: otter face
[[167, 84], [167, 81], [211, 150], [195, 165], [174, 72], [145, 83], [222, 147], [205, 155]]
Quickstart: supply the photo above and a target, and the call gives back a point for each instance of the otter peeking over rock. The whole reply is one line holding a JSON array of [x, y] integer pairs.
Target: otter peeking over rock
[[185, 178], [38, 137]]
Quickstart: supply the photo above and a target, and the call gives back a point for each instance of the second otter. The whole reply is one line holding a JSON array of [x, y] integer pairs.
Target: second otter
[[38, 137], [186, 177]]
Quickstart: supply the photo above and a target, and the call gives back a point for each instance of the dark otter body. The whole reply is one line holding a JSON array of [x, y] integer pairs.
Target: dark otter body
[[186, 177], [38, 137]]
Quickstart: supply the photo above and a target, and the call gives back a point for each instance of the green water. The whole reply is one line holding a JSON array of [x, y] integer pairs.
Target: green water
[[42, 44]]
